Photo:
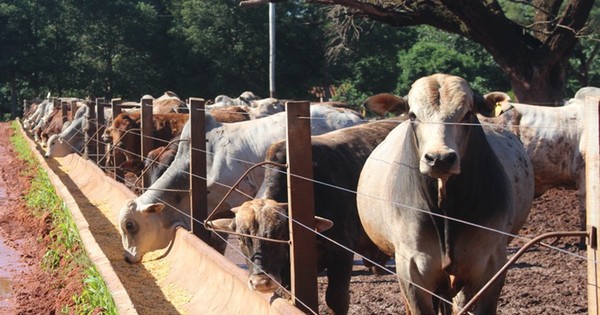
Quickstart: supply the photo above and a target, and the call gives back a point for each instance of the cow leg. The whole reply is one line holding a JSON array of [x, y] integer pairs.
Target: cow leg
[[488, 302], [339, 270], [411, 276]]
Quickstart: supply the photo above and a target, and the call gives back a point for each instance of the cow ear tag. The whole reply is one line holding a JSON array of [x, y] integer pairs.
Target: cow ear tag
[[498, 109]]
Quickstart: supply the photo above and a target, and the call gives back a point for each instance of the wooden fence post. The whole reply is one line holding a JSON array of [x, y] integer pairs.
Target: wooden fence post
[[117, 159], [146, 133], [592, 204], [303, 249], [64, 112], [90, 130], [74, 109], [198, 191]]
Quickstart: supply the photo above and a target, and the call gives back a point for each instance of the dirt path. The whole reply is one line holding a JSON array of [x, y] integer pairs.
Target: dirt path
[[33, 290]]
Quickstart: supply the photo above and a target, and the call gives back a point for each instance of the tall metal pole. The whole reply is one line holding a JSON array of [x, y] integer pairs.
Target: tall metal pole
[[272, 49]]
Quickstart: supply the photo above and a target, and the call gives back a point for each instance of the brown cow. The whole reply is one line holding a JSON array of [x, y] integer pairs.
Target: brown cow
[[125, 132], [54, 124], [338, 157], [44, 123], [230, 114], [384, 103]]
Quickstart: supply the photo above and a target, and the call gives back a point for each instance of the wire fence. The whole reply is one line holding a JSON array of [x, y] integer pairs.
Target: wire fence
[[95, 128]]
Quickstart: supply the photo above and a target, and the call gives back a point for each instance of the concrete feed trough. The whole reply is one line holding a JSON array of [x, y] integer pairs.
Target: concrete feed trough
[[189, 278]]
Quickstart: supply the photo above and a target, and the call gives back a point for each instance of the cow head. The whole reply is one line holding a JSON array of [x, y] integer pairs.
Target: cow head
[[440, 106], [492, 104], [143, 229], [107, 134], [268, 262], [384, 103], [57, 147], [125, 134]]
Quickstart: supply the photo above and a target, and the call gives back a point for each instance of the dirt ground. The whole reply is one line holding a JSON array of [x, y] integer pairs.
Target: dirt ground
[[34, 290], [544, 281]]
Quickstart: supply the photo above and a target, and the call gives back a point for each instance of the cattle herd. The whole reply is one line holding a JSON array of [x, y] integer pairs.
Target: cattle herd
[[441, 187]]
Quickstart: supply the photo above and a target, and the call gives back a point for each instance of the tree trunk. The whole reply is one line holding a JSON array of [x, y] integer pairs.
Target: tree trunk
[[543, 85]]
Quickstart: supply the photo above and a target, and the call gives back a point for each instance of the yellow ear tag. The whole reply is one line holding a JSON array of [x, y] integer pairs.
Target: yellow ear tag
[[498, 109]]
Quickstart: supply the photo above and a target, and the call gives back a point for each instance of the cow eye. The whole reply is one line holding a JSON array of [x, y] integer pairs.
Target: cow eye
[[129, 226]]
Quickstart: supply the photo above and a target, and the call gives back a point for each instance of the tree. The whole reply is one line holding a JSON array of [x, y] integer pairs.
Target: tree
[[18, 44], [437, 51], [533, 55]]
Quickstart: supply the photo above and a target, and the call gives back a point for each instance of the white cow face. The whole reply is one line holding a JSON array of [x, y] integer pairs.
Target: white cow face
[[142, 230], [57, 147], [439, 105]]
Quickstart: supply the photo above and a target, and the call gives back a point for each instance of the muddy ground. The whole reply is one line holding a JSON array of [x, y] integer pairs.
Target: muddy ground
[[34, 289], [544, 281]]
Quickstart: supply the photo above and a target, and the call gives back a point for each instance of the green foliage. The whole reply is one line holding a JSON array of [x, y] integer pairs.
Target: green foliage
[[95, 296], [129, 48], [369, 65], [66, 251], [439, 52]]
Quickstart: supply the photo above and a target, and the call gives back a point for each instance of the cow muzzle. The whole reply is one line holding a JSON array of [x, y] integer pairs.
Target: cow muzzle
[[131, 258], [262, 283], [440, 164]]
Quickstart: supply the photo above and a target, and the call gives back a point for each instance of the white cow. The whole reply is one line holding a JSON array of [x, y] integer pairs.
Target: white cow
[[431, 175], [553, 137], [32, 120], [70, 140], [148, 222]]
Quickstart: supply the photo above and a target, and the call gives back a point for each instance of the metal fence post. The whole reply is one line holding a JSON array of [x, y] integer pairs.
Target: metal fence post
[[198, 191], [303, 251]]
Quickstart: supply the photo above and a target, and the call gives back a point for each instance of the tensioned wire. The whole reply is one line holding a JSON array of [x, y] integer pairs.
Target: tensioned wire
[[333, 186]]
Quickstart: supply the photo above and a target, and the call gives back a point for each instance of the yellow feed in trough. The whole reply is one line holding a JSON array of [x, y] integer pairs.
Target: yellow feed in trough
[[145, 282], [189, 278]]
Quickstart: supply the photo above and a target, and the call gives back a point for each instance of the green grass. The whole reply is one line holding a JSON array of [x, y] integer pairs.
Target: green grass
[[66, 250]]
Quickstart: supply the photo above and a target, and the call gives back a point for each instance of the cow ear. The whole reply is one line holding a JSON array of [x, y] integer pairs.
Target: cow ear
[[383, 103], [322, 224], [153, 208], [227, 224], [492, 104]]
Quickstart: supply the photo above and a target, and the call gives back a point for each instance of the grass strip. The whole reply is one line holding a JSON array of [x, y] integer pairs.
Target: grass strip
[[66, 252]]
